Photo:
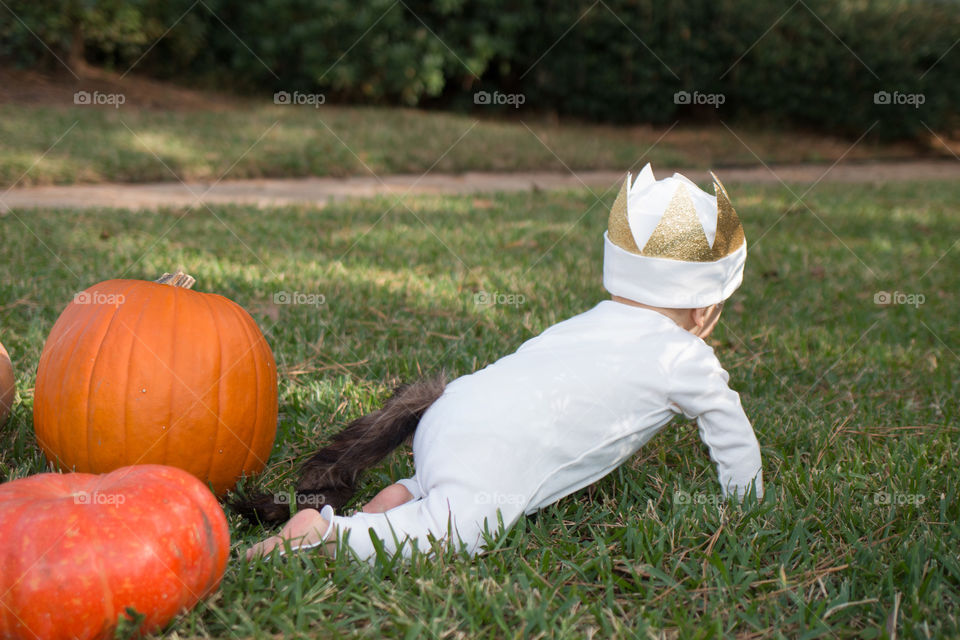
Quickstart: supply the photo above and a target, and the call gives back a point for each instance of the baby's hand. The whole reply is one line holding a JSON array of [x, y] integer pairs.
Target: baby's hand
[[306, 530]]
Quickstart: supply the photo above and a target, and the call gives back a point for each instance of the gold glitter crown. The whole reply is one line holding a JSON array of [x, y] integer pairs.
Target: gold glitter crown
[[679, 234]]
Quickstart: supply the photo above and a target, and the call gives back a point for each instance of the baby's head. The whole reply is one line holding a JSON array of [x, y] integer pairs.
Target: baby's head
[[692, 255]]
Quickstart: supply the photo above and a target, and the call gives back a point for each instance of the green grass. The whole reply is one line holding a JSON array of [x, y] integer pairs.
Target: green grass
[[849, 399], [78, 144]]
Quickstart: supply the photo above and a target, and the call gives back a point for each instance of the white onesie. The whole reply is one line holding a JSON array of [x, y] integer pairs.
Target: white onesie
[[567, 408]]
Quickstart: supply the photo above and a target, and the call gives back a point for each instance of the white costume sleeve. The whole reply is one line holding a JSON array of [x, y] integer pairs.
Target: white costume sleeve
[[698, 387]]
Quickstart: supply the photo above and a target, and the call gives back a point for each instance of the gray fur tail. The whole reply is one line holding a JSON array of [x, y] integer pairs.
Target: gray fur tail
[[330, 475]]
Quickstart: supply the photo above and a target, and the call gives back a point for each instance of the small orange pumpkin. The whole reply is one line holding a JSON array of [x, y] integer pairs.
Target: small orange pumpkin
[[137, 372], [8, 385], [79, 549]]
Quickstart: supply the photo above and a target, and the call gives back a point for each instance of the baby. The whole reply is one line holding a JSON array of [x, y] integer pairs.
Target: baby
[[575, 402]]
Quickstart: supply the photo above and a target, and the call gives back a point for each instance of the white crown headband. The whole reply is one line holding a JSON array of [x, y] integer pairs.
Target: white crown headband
[[693, 245]]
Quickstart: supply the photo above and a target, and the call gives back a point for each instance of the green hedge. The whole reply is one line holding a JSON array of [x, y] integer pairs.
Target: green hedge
[[816, 63]]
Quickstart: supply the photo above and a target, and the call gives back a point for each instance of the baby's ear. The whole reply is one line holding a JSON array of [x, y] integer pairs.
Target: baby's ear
[[704, 319], [699, 316]]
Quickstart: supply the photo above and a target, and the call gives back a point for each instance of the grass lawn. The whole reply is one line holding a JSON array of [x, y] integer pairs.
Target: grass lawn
[[855, 405], [51, 144]]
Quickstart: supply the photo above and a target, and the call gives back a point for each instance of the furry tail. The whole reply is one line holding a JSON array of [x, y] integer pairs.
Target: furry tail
[[330, 475]]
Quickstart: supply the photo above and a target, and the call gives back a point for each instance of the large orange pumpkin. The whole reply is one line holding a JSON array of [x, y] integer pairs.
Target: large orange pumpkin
[[8, 386], [138, 372], [78, 549]]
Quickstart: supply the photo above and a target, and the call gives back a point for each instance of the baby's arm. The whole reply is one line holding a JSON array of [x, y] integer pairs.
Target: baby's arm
[[699, 388]]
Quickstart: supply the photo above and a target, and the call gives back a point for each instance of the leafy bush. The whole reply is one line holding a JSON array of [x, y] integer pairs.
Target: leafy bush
[[817, 63]]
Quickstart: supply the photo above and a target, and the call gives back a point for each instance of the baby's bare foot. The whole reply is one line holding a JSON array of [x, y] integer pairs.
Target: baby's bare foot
[[304, 530], [388, 498]]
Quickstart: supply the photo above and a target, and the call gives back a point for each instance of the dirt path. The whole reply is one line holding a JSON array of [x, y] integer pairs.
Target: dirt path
[[319, 191]]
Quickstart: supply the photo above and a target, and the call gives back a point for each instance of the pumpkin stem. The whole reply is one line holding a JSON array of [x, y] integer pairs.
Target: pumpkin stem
[[178, 279]]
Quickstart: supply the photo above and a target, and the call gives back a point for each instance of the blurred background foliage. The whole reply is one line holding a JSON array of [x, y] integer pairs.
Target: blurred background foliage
[[813, 63]]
